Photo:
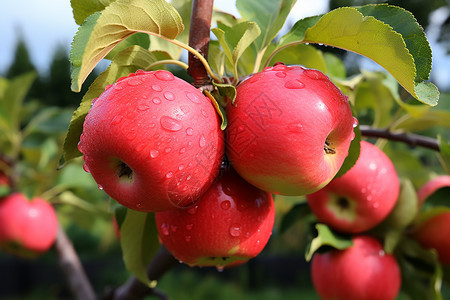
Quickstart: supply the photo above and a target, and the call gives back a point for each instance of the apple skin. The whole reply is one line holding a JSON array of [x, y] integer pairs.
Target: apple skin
[[362, 197], [289, 130], [230, 224], [362, 272], [432, 186], [152, 142], [433, 233], [28, 228]]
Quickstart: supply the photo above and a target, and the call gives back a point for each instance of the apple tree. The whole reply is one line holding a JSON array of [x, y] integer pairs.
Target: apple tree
[[261, 130]]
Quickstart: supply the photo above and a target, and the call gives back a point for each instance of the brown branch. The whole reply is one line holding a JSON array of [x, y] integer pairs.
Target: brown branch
[[73, 270], [199, 39], [134, 289], [408, 138]]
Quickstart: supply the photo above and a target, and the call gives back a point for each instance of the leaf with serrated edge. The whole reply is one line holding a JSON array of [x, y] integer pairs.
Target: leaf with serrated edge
[[124, 63], [326, 237], [139, 242], [102, 31], [83, 8]]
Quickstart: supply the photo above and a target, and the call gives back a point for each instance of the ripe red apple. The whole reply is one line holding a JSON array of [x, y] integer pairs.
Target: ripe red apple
[[289, 130], [361, 272], [433, 233], [230, 224], [362, 197], [27, 228], [152, 141], [432, 186]]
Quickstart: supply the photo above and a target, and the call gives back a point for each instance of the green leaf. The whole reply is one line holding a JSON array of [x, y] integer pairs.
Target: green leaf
[[327, 237], [215, 101], [349, 29], [139, 242], [430, 119], [270, 16], [353, 153], [298, 212], [139, 39], [83, 8], [102, 31], [235, 40], [124, 63], [216, 58], [444, 153]]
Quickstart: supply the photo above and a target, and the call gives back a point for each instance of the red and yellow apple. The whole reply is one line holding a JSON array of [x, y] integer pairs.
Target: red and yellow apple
[[362, 197], [230, 224], [152, 142], [289, 130]]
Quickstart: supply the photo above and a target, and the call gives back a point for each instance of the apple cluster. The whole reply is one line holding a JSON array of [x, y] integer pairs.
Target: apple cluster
[[154, 143]]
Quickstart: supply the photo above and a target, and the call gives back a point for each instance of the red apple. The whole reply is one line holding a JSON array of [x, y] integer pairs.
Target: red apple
[[362, 272], [230, 224], [152, 141], [289, 130], [362, 197], [27, 228], [432, 186]]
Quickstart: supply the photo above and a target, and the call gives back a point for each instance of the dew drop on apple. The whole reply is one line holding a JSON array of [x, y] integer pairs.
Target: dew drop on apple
[[169, 96], [355, 122], [235, 230], [165, 229], [193, 97], [164, 75], [154, 153], [202, 141], [170, 124], [100, 187], [187, 238], [140, 147], [116, 120], [294, 85], [204, 113], [134, 81], [173, 228], [156, 101], [225, 205], [131, 136], [86, 168], [182, 150], [80, 146], [189, 226], [192, 210], [118, 87], [180, 167], [189, 131], [376, 205], [295, 127], [281, 74], [143, 107], [156, 88], [314, 74], [169, 175]]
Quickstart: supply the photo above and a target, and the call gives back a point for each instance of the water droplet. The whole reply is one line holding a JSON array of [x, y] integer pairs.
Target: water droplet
[[296, 127], [187, 238], [281, 74], [235, 230], [369, 198], [140, 72], [279, 67], [140, 147], [167, 150], [376, 205], [139, 204], [118, 87], [202, 141], [189, 131], [189, 226], [220, 268], [86, 168], [156, 88], [165, 229], [173, 228], [143, 106], [267, 69], [154, 153], [181, 167], [182, 150], [314, 74], [79, 146], [131, 136], [169, 175], [156, 100], [294, 84], [372, 166], [381, 253], [225, 204], [169, 96], [170, 124], [247, 234], [192, 210], [184, 109], [204, 113], [193, 97], [116, 120], [355, 122], [363, 190], [134, 81], [100, 187], [164, 75]]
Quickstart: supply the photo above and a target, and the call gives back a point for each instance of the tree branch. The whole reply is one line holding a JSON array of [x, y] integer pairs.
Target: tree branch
[[407, 138], [199, 39], [73, 270], [134, 289]]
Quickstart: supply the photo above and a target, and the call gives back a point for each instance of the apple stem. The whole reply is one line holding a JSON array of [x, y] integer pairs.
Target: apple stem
[[73, 270], [407, 138], [199, 32]]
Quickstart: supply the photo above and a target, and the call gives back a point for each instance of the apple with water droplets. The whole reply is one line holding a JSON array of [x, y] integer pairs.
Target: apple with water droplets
[[289, 130], [361, 272], [152, 141], [27, 228], [362, 197], [230, 224]]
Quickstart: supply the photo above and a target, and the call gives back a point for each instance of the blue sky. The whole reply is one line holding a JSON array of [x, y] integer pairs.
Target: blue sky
[[48, 23]]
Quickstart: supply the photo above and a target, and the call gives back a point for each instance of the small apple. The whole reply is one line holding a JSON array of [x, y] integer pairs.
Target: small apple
[[361, 272], [27, 228], [362, 197], [152, 142], [289, 130], [433, 233], [230, 224], [432, 186]]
